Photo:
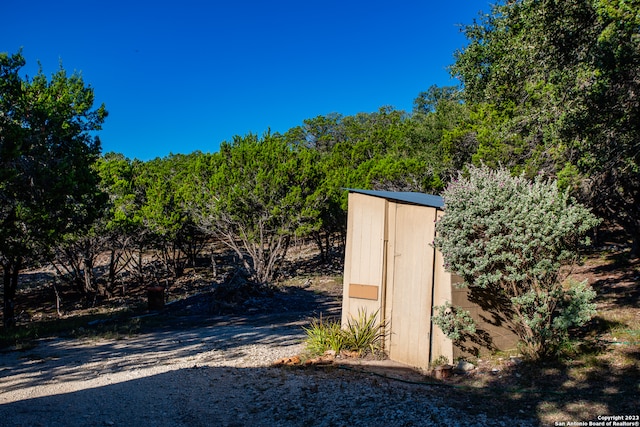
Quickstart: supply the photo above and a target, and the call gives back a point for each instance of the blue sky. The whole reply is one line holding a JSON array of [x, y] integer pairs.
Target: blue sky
[[180, 76]]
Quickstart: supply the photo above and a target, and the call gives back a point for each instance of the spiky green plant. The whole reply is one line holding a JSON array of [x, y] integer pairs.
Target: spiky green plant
[[362, 334], [323, 335], [365, 333]]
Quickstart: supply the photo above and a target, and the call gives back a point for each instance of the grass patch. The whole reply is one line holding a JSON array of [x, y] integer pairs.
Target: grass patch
[[103, 325], [323, 335], [625, 326]]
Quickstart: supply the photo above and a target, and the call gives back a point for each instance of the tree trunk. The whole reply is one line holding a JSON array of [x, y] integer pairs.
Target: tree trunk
[[317, 238], [87, 267], [112, 268], [11, 268]]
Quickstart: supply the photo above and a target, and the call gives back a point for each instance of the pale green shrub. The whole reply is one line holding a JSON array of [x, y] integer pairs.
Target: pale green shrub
[[454, 321], [511, 236]]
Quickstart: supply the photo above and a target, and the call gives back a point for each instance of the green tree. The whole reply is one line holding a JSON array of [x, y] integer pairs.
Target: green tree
[[565, 76], [76, 255], [165, 211], [320, 133], [508, 237], [260, 193], [441, 135], [122, 223], [435, 97], [48, 186], [366, 150]]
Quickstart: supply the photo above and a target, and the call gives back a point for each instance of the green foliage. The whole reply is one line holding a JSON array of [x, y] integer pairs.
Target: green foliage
[[46, 152], [576, 307], [323, 335], [563, 79], [434, 98], [439, 361], [363, 334], [552, 314], [165, 210], [260, 193], [441, 134], [511, 236], [48, 187], [454, 321], [320, 133], [386, 150], [117, 178]]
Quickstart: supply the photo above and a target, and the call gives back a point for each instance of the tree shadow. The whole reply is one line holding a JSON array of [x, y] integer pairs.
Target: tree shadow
[[246, 301], [600, 377], [575, 390], [240, 300], [474, 344], [239, 396], [68, 358], [493, 329], [600, 384], [177, 332], [616, 281]]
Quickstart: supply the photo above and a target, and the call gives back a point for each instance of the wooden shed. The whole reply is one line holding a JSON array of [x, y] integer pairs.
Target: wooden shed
[[392, 267]]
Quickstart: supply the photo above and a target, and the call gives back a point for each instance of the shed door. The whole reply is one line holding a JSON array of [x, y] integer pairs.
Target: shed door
[[410, 271]]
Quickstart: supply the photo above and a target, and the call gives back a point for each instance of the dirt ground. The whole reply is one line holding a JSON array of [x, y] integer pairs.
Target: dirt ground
[[201, 362], [193, 370]]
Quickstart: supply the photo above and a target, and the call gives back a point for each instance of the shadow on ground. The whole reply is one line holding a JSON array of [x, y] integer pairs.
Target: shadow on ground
[[227, 396], [562, 391], [174, 333]]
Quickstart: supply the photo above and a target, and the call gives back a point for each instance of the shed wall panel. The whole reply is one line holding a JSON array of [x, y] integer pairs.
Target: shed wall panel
[[492, 330], [364, 252], [411, 286], [441, 344]]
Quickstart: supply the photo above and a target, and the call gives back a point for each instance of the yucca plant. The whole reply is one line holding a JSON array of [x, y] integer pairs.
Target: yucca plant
[[364, 333]]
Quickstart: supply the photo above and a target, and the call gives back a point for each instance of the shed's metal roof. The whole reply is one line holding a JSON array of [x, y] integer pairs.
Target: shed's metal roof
[[405, 196]]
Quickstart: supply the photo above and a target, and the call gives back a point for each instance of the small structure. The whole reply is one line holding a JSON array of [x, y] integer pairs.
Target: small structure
[[392, 267]]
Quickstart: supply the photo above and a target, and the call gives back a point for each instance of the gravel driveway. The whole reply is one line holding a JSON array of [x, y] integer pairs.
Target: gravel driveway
[[215, 374]]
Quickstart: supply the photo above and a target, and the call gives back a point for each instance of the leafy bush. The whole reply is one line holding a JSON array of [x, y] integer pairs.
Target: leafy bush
[[439, 361], [454, 321], [510, 236]]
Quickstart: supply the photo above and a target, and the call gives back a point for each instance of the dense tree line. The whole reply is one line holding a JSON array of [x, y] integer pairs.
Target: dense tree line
[[255, 196], [556, 84], [547, 86]]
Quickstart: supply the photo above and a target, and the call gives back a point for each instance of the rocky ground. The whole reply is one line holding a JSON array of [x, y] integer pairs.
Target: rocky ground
[[195, 370], [208, 359]]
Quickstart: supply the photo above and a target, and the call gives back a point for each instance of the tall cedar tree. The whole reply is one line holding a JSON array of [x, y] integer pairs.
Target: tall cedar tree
[[47, 184]]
